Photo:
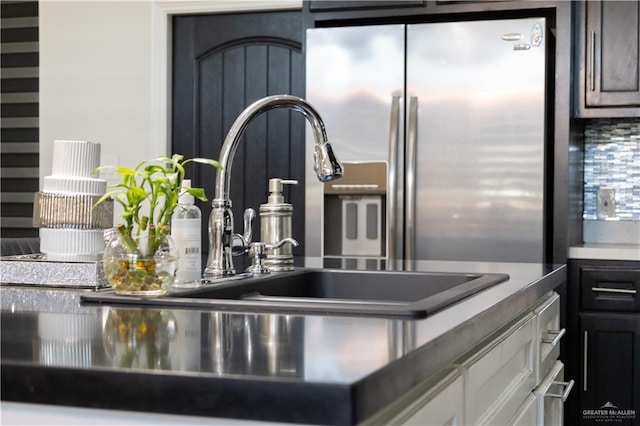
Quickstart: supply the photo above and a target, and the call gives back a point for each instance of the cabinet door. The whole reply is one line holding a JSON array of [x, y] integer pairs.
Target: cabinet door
[[499, 377], [318, 6], [551, 394], [612, 54], [548, 335], [433, 402], [443, 406], [526, 414], [611, 367]]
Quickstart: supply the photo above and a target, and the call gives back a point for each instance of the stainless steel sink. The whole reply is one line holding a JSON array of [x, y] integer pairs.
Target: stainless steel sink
[[366, 293]]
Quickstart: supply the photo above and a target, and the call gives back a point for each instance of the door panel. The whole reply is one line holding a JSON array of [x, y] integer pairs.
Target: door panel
[[222, 64], [352, 74], [480, 139]]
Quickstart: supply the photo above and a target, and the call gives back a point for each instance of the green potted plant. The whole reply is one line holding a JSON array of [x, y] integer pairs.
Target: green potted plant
[[141, 258]]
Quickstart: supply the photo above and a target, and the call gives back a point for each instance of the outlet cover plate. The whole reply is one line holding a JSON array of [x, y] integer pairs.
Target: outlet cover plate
[[606, 207]]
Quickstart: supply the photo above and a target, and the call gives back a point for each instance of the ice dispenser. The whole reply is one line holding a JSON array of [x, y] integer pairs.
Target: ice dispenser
[[354, 212]]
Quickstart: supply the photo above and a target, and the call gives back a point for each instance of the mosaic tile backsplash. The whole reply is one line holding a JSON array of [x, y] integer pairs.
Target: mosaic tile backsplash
[[612, 162]]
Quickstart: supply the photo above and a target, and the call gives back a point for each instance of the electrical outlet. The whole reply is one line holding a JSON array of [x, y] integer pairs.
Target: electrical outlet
[[606, 199]]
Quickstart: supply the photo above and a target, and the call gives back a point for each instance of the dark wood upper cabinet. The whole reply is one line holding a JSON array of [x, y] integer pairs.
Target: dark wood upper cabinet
[[608, 58], [319, 13], [319, 5]]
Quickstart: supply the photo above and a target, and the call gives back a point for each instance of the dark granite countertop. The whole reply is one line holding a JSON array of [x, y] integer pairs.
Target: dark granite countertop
[[283, 368]]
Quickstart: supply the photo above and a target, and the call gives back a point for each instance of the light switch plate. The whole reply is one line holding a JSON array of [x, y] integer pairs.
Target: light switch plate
[[606, 199]]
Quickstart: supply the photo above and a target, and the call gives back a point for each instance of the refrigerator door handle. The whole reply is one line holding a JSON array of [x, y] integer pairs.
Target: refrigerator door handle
[[392, 177], [410, 212]]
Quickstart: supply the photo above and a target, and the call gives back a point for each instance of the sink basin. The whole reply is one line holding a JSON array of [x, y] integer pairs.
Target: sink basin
[[366, 293]]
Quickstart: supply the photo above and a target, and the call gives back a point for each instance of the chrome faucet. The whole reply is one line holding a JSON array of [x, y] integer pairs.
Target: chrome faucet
[[223, 243]]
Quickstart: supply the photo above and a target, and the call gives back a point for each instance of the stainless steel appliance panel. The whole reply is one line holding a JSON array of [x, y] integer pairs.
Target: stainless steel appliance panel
[[355, 78], [466, 158], [479, 89], [361, 221]]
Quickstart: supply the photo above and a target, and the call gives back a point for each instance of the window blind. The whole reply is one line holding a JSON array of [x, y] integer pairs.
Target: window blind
[[19, 173]]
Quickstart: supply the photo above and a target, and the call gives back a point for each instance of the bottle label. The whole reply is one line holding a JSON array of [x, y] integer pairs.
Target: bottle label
[[186, 235]]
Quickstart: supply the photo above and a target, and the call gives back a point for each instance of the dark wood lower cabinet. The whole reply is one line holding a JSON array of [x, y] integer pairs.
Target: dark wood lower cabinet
[[603, 342], [611, 369]]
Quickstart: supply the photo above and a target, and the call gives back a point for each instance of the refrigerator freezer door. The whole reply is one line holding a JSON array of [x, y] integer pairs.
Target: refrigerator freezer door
[[479, 180], [352, 77]]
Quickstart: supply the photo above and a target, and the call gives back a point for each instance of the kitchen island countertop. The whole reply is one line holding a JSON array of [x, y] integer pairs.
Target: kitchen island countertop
[[312, 369]]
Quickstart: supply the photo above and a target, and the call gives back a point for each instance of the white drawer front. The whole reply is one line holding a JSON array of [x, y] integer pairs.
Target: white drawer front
[[527, 414], [551, 394], [445, 406], [500, 376], [549, 335], [437, 401]]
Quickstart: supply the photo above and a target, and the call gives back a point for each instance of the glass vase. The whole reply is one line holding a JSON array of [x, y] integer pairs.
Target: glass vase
[[133, 268], [139, 338]]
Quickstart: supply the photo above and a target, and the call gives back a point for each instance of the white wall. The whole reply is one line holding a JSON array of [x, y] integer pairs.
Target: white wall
[[95, 66], [104, 72]]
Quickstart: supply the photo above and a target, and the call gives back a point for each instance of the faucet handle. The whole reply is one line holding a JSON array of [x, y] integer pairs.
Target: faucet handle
[[281, 243], [258, 254], [249, 216], [240, 243]]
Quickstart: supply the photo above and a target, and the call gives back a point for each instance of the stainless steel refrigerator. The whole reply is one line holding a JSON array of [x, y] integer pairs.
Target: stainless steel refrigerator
[[450, 119]]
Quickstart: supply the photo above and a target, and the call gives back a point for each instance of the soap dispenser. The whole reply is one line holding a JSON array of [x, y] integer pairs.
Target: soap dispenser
[[185, 231], [275, 226]]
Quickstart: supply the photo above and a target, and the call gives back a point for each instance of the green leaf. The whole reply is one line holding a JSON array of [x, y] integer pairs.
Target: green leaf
[[173, 179], [164, 159], [120, 197], [197, 193], [163, 179], [106, 196], [212, 163], [97, 170], [153, 187], [155, 168], [125, 171]]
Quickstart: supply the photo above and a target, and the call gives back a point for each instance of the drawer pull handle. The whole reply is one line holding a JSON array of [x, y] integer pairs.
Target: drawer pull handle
[[567, 390], [553, 336], [584, 360], [613, 290]]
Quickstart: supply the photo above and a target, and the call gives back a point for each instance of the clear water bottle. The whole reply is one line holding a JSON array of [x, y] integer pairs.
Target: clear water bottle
[[186, 232]]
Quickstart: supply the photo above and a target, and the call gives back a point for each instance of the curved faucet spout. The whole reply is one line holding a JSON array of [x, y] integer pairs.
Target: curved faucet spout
[[326, 165]]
